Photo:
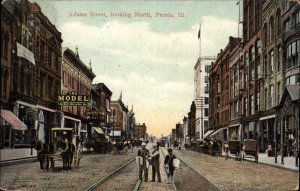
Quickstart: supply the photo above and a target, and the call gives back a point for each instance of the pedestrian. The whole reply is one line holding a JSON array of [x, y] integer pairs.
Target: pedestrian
[[144, 154], [132, 145], [113, 143], [126, 145], [169, 166], [139, 160], [155, 164], [226, 149]]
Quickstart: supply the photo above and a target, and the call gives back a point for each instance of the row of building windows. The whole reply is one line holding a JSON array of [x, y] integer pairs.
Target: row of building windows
[[293, 54], [73, 83]]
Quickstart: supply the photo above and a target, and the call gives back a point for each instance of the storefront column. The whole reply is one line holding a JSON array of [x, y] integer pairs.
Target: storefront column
[[275, 138], [283, 139], [297, 126], [268, 135]]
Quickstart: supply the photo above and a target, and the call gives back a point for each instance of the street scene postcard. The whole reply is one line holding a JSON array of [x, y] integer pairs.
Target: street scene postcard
[[150, 95]]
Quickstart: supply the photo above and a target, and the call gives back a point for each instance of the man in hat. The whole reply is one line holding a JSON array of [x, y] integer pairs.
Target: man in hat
[[155, 164], [144, 154]]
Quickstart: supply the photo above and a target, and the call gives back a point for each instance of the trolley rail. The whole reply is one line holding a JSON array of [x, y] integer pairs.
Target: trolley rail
[[197, 172], [18, 161], [110, 175]]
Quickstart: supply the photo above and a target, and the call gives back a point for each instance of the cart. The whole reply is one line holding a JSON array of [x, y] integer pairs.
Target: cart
[[235, 149], [65, 147], [250, 149]]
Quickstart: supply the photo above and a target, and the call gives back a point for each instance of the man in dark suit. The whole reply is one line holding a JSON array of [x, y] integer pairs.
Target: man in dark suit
[[155, 164]]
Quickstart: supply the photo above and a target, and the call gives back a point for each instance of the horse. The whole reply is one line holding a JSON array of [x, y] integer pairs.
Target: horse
[[42, 151], [67, 153]]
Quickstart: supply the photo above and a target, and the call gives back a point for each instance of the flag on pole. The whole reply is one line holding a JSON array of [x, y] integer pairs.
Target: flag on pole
[[199, 33]]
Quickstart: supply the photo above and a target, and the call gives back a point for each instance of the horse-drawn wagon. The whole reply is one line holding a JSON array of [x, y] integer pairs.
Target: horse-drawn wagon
[[64, 145], [234, 146], [250, 149]]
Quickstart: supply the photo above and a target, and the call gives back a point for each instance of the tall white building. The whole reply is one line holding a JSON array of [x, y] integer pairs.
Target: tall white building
[[201, 80]]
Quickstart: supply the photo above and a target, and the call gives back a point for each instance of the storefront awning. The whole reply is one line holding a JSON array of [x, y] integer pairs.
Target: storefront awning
[[218, 134], [46, 108], [234, 125], [98, 130], [13, 120], [71, 118], [218, 131], [267, 117], [207, 133]]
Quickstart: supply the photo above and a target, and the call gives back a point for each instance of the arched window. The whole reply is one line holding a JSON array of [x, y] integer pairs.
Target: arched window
[[265, 34], [246, 58], [271, 24], [278, 22], [5, 81], [257, 47], [252, 54]]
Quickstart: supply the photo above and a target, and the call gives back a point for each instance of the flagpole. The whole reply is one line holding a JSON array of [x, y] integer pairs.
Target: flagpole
[[199, 36]]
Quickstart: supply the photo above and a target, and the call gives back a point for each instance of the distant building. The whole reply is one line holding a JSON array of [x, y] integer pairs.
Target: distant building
[[220, 91], [201, 98], [119, 114], [191, 122], [140, 131], [101, 98], [186, 138]]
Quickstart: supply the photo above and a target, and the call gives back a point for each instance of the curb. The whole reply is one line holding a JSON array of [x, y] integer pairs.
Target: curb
[[268, 164], [18, 161]]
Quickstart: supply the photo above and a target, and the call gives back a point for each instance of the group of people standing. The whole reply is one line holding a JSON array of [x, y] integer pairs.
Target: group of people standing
[[153, 159]]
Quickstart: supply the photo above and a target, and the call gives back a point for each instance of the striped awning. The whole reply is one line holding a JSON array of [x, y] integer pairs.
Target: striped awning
[[13, 120], [207, 133], [218, 134], [98, 130]]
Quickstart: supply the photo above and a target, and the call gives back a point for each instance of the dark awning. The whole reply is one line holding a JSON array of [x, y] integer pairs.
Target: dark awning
[[218, 134], [13, 120], [207, 133], [98, 130]]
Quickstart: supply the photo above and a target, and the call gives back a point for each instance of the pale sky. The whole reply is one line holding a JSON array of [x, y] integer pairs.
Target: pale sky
[[150, 60]]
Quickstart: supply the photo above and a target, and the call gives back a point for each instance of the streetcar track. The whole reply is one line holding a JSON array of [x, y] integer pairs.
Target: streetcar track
[[200, 174], [110, 175], [173, 184], [10, 162]]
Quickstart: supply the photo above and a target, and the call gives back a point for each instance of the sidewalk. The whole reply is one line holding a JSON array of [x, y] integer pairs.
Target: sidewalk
[[157, 186], [289, 162], [13, 154]]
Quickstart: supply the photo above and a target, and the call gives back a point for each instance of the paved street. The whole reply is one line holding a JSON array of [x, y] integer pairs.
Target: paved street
[[92, 168], [225, 174], [236, 175]]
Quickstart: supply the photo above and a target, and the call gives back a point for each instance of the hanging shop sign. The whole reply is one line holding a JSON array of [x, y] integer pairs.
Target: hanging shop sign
[[96, 114], [73, 99]]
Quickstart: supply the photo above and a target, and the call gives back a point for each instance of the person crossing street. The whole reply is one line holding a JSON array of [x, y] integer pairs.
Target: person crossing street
[[155, 164]]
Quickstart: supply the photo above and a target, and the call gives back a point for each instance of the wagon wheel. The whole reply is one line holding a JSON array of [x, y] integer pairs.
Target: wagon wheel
[[76, 158], [44, 163]]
